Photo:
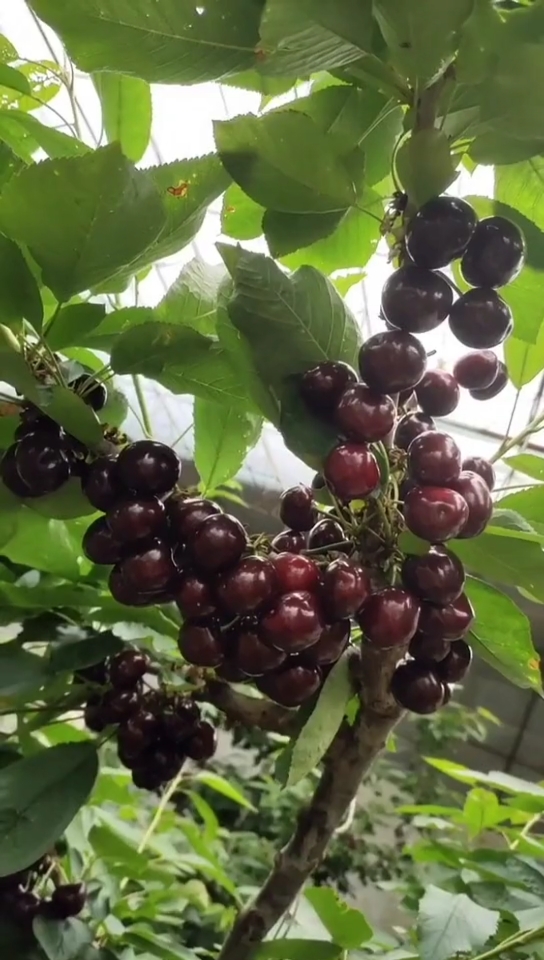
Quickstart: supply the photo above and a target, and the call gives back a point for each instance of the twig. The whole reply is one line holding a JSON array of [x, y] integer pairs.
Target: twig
[[518, 940], [510, 443], [249, 711], [146, 419]]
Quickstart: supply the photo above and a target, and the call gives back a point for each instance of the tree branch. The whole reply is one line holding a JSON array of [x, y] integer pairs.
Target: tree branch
[[249, 711]]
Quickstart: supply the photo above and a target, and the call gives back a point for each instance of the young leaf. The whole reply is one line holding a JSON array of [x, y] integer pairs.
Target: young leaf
[[19, 293], [191, 301], [62, 939], [126, 111], [527, 463], [424, 164], [39, 797], [420, 36], [223, 438], [71, 411], [82, 218], [73, 323], [348, 927], [450, 923]]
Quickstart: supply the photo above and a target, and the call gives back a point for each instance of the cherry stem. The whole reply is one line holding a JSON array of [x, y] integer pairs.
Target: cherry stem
[[510, 442]]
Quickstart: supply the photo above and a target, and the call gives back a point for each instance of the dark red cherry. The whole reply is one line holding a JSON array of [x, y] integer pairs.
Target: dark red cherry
[[218, 543], [477, 370], [91, 390], [229, 672], [331, 644], [10, 474], [352, 471], [134, 519], [346, 585], [94, 716], [178, 719], [481, 319], [147, 777], [203, 742], [186, 515], [42, 463], [456, 665], [253, 657], [440, 231], [416, 300], [429, 650], [150, 568], [119, 705], [438, 576], [288, 541], [411, 426], [450, 622], [478, 497], [364, 416], [417, 688], [318, 482], [495, 254], [392, 361], [295, 572], [389, 617], [248, 586], [128, 667], [434, 458], [200, 642], [124, 592], [293, 623], [297, 508], [326, 534], [194, 597], [438, 393], [140, 730], [435, 513], [100, 483], [322, 386], [148, 467], [99, 545], [498, 385], [293, 685], [22, 906], [483, 468]]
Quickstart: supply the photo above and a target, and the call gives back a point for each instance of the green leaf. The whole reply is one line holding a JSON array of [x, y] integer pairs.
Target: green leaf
[[73, 323], [43, 78], [126, 112], [424, 164], [524, 361], [514, 562], [262, 154], [528, 503], [287, 232], [20, 670], [18, 124], [8, 53], [39, 797], [527, 463], [10, 164], [71, 411], [62, 940], [191, 301], [222, 786], [241, 217], [169, 42], [223, 438], [299, 950], [48, 545], [14, 79], [19, 293], [348, 927], [66, 503], [71, 655], [82, 218], [322, 725], [503, 635], [13, 367], [481, 811], [450, 923], [512, 98], [520, 185], [420, 36], [351, 245]]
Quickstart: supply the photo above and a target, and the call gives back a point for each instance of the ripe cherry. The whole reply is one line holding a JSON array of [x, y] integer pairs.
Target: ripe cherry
[[322, 386], [438, 393], [495, 254], [434, 458], [203, 742], [22, 906], [411, 426], [100, 484], [150, 568], [99, 545], [94, 716], [481, 319], [42, 463], [345, 587], [91, 390], [440, 231], [392, 361], [11, 476], [149, 467], [293, 623], [140, 730], [416, 300], [218, 543], [134, 519], [165, 762], [428, 650], [451, 622], [127, 668], [477, 370], [194, 597], [483, 468], [288, 541], [253, 657], [178, 719], [389, 617], [200, 642], [435, 513], [326, 533], [364, 416], [438, 576], [147, 777], [248, 586], [186, 515], [297, 508], [498, 385], [331, 644], [352, 471], [293, 685], [126, 593], [478, 497], [119, 705], [456, 665], [417, 688], [295, 572]]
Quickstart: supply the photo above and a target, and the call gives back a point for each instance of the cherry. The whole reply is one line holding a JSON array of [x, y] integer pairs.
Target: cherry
[[318, 482], [297, 508], [13, 881], [147, 778], [477, 370], [200, 643], [288, 541], [440, 231], [10, 474], [203, 742], [362, 415], [149, 467], [34, 421], [447, 694], [327, 533], [435, 513], [389, 617], [96, 673], [22, 906], [352, 471], [498, 385], [331, 644], [129, 749], [481, 319], [92, 391], [178, 719], [119, 705], [124, 592], [230, 672], [495, 254], [416, 300], [294, 572], [438, 576], [322, 386], [478, 497], [99, 545], [165, 762], [417, 688], [100, 484], [293, 623], [139, 731], [134, 519], [411, 426], [194, 597], [428, 650], [251, 655], [345, 587], [438, 393], [293, 685], [483, 468], [150, 568], [434, 458], [93, 715], [218, 543], [456, 665], [392, 361], [451, 622], [127, 668], [248, 586], [41, 463], [186, 515]]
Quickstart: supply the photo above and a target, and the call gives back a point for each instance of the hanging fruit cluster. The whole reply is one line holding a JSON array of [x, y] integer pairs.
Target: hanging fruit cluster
[[39, 891]]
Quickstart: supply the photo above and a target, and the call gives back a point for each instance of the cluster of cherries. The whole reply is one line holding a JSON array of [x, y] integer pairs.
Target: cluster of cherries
[[157, 731], [21, 903]]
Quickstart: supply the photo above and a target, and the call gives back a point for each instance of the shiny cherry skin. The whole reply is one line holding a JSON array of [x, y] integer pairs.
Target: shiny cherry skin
[[322, 386], [101, 485], [416, 687], [293, 685], [295, 572], [438, 393], [288, 541], [253, 657], [68, 900], [218, 543], [437, 576], [134, 519], [42, 463], [450, 622], [478, 497], [389, 618], [139, 731], [326, 533], [297, 508], [440, 231], [476, 370], [481, 319], [150, 568], [194, 597], [435, 513], [495, 254], [203, 742], [411, 426], [248, 586], [434, 459], [352, 471], [392, 361], [186, 515], [119, 705], [333, 641], [94, 716], [456, 665], [92, 391], [483, 468], [148, 467], [364, 416], [498, 385], [147, 778], [10, 475], [427, 649], [200, 643], [22, 906], [126, 593], [294, 622], [346, 585], [416, 300], [99, 545], [127, 668]]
